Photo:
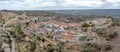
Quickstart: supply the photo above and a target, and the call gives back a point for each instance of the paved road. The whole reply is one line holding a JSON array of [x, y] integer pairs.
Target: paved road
[[11, 37]]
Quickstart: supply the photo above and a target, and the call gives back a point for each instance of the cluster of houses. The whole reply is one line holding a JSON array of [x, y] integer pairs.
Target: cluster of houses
[[61, 31]]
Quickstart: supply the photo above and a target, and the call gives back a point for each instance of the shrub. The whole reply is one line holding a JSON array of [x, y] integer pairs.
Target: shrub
[[111, 36], [83, 38], [50, 48], [92, 25], [108, 47], [18, 30], [49, 45], [89, 39], [91, 47], [88, 49], [13, 34], [85, 25], [38, 38], [48, 36], [33, 47], [8, 36], [9, 41], [43, 40], [108, 38]]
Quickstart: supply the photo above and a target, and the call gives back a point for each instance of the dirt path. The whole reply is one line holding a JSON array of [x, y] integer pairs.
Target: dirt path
[[11, 37]]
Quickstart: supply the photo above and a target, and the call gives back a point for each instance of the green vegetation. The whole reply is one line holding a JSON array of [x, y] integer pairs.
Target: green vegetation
[[88, 49], [33, 47], [50, 48], [19, 30], [13, 33], [49, 35], [60, 47], [27, 23], [89, 39], [82, 38], [38, 38], [92, 25], [91, 47], [105, 23], [9, 41], [111, 36], [107, 35], [43, 40], [108, 47], [44, 20], [85, 25]]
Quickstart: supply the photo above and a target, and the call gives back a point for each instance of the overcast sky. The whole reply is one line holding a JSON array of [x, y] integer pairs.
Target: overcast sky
[[58, 4]]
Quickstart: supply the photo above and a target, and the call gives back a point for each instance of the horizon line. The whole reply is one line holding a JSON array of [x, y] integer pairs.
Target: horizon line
[[58, 9]]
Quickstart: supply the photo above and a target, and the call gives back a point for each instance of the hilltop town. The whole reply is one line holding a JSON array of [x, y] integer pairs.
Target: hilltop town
[[52, 33]]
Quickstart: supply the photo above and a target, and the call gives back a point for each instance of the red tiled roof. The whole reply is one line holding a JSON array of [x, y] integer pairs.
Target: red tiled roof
[[66, 35]]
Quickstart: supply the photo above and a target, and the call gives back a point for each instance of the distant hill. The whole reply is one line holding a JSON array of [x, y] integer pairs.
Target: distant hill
[[41, 13], [71, 14], [91, 13]]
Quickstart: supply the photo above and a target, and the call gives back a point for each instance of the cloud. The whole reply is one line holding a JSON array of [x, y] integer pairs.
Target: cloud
[[93, 3], [113, 1], [59, 4], [62, 2], [29, 4], [111, 4]]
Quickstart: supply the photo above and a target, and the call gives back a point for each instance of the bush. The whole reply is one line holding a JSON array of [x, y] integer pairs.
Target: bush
[[50, 48], [19, 30], [85, 25], [92, 25], [108, 38], [106, 35], [111, 36], [43, 40], [27, 23], [33, 47], [13, 34], [49, 36], [116, 33], [89, 39], [83, 38], [108, 47], [9, 41], [38, 38], [60, 46], [88, 49], [91, 47], [49, 45], [8, 36]]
